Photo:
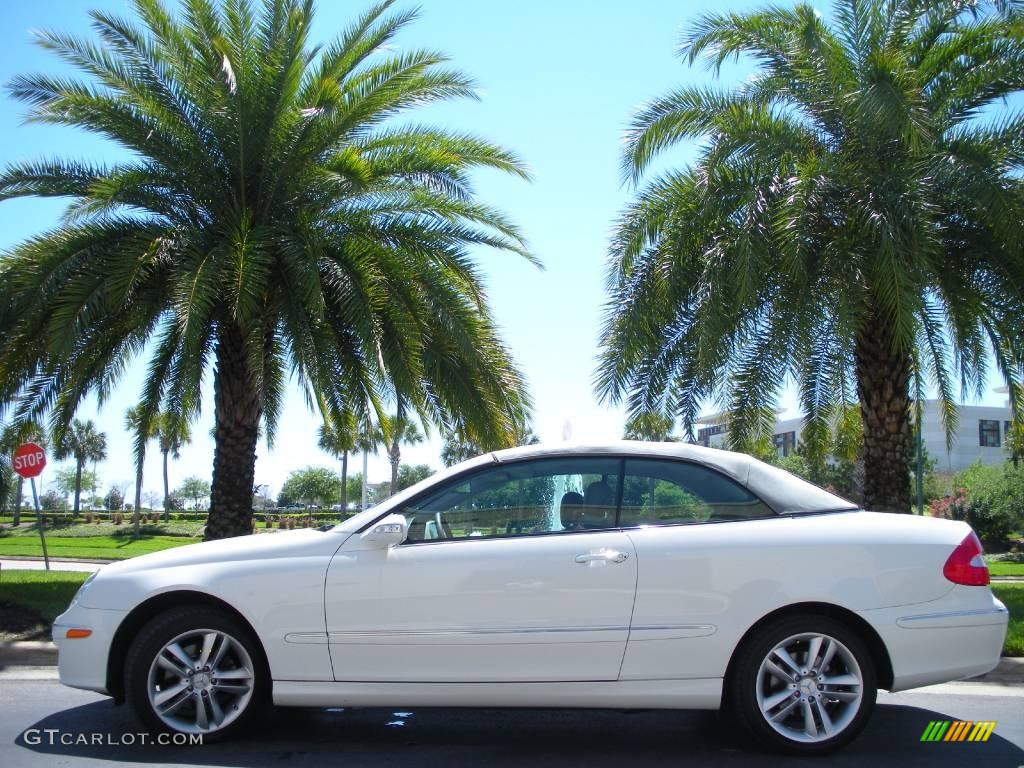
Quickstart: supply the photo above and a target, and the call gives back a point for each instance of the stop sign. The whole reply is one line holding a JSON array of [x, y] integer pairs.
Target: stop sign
[[29, 460]]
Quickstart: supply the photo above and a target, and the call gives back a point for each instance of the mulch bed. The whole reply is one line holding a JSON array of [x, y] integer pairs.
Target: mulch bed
[[20, 623]]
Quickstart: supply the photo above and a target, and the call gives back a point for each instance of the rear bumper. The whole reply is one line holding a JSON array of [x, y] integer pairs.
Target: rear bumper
[[960, 635], [82, 662]]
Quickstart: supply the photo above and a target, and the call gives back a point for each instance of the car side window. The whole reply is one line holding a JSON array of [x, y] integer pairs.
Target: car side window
[[657, 492], [520, 499]]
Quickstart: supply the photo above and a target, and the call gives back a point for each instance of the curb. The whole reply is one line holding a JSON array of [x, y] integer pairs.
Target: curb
[[39, 559], [28, 653], [1009, 670]]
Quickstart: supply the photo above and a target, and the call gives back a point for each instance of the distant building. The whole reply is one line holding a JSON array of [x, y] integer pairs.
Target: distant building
[[980, 435]]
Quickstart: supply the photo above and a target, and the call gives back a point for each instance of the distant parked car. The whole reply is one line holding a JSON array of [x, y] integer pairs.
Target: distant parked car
[[635, 575]]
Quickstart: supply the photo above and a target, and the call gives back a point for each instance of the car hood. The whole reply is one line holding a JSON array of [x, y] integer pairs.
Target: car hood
[[261, 546]]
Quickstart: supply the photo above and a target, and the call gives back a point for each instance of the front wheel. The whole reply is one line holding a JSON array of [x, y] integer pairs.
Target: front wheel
[[803, 685], [196, 670]]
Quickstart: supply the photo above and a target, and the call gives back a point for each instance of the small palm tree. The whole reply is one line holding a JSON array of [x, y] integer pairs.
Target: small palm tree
[[339, 437], [369, 439], [399, 430], [142, 433], [173, 433], [852, 223], [81, 442], [275, 212], [457, 447], [13, 435]]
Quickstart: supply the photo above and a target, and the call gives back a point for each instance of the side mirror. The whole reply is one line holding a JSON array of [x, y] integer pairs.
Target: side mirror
[[388, 532]]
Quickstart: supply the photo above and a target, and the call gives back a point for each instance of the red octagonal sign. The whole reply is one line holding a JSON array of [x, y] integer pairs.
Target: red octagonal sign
[[29, 460]]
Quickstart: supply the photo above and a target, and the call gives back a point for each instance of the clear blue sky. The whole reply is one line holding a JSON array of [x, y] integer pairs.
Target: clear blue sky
[[559, 82]]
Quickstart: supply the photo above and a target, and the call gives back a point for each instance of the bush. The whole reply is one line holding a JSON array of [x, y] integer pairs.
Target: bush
[[838, 477], [992, 523], [1000, 487]]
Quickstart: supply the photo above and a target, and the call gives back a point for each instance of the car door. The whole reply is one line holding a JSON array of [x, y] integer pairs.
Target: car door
[[705, 543], [514, 573]]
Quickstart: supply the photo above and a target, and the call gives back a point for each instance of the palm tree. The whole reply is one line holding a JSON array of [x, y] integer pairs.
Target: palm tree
[[852, 222], [457, 448], [81, 442], [134, 423], [13, 435], [648, 425], [369, 440], [399, 430], [339, 437], [172, 432], [267, 219]]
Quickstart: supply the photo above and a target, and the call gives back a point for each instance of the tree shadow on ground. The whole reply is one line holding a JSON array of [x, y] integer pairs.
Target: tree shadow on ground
[[498, 737]]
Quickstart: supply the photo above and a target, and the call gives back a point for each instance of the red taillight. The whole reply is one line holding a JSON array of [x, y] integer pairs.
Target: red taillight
[[966, 565]]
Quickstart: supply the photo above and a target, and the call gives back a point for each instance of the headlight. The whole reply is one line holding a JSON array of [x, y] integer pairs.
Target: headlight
[[81, 589]]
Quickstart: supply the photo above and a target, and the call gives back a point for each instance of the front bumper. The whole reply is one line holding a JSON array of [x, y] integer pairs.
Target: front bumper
[[960, 635], [82, 662]]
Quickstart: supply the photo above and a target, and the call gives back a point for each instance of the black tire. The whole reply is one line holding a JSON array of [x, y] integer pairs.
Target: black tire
[[168, 626], [745, 681]]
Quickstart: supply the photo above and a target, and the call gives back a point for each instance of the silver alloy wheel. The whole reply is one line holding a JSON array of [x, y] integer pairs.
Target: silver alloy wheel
[[201, 681], [809, 687]]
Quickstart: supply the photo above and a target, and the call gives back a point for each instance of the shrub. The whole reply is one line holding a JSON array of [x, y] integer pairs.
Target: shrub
[[117, 518], [88, 517], [992, 523], [1002, 487], [796, 464]]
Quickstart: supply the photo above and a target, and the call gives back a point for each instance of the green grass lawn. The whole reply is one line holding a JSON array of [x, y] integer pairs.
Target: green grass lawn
[[90, 547], [1006, 565], [47, 594], [1013, 596]]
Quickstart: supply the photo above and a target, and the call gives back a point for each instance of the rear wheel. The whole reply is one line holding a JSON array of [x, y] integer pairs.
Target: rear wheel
[[196, 670], [803, 685]]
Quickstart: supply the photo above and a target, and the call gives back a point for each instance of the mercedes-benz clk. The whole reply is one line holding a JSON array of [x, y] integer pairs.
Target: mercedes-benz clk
[[633, 575]]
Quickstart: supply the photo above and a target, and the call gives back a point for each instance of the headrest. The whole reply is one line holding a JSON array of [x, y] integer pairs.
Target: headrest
[[571, 509]]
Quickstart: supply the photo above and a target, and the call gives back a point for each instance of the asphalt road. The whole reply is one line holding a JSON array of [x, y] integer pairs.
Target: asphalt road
[[448, 737]]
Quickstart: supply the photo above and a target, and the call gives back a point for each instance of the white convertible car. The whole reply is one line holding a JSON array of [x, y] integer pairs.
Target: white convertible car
[[624, 576]]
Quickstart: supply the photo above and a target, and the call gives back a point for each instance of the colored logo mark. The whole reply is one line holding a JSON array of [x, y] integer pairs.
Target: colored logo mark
[[958, 730]]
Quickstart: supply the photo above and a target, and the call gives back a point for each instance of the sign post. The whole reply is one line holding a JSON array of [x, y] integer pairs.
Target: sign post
[[29, 460]]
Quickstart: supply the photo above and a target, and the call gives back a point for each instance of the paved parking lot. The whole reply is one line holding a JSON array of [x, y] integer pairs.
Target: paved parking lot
[[448, 737]]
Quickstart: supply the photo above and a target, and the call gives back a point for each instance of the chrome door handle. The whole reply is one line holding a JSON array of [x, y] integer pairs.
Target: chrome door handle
[[608, 556]]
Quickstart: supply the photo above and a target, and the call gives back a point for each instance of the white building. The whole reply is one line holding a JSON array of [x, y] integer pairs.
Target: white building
[[980, 435]]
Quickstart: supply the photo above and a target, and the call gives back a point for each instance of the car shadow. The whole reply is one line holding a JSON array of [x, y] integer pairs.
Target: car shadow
[[497, 737]]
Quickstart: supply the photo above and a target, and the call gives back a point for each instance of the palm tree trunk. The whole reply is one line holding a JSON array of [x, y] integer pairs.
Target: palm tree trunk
[[395, 457], [167, 491], [883, 377], [138, 498], [16, 520], [236, 430], [78, 484], [344, 484]]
